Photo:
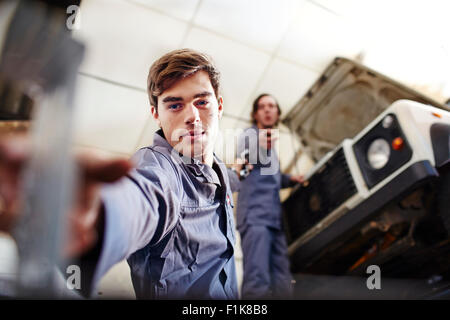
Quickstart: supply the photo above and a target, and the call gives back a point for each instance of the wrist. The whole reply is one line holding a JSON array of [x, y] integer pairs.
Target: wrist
[[235, 171]]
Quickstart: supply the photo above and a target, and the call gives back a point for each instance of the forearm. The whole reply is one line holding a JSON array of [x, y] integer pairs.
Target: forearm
[[134, 214], [286, 181]]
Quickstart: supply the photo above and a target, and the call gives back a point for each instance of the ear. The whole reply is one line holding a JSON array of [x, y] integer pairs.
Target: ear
[[220, 108], [156, 115]]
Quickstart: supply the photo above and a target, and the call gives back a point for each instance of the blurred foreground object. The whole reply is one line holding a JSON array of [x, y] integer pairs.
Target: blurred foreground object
[[38, 66]]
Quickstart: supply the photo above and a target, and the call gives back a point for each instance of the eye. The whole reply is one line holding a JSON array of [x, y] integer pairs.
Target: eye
[[174, 106], [202, 103]]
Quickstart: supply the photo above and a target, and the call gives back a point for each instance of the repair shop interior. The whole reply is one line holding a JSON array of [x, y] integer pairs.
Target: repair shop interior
[[363, 96]]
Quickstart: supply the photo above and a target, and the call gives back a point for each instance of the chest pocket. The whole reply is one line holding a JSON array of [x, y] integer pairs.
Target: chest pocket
[[181, 251]]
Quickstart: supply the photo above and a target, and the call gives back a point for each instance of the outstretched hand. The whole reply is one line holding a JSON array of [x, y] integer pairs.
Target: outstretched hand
[[83, 217], [297, 178]]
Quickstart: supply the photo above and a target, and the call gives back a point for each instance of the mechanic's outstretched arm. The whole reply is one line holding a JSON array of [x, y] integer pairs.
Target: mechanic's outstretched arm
[[83, 217], [288, 181], [119, 209]]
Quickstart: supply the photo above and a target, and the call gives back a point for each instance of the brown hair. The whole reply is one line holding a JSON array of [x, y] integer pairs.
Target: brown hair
[[176, 65], [255, 107]]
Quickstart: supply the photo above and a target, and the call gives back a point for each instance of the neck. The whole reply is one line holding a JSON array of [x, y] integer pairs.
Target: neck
[[261, 126], [208, 159], [205, 158]]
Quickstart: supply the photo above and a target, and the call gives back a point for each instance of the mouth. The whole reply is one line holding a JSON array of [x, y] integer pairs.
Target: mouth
[[268, 119], [193, 135]]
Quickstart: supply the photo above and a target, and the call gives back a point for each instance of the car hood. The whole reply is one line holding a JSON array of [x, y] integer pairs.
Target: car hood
[[345, 98]]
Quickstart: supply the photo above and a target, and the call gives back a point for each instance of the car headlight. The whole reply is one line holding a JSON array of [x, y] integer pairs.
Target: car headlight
[[382, 150], [378, 153]]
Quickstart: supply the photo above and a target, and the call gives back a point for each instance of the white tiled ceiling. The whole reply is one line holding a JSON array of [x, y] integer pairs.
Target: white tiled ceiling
[[226, 143], [230, 123], [279, 47], [124, 38], [405, 39], [287, 81], [286, 149], [317, 36], [181, 9], [108, 116], [240, 66], [146, 137], [256, 23]]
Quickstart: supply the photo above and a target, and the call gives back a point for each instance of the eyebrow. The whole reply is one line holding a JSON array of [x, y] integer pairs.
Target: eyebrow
[[176, 99], [172, 99], [203, 94]]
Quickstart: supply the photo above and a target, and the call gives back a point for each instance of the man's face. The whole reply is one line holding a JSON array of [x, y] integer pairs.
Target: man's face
[[189, 113], [267, 113]]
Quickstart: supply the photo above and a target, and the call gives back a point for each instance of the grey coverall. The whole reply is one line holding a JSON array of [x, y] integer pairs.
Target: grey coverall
[[259, 221], [174, 223]]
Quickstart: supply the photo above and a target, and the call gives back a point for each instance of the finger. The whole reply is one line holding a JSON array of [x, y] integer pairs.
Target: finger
[[96, 170], [81, 231], [79, 243], [84, 217], [8, 217], [9, 189], [14, 151]]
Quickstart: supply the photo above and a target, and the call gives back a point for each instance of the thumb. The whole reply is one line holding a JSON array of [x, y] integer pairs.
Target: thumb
[[96, 170]]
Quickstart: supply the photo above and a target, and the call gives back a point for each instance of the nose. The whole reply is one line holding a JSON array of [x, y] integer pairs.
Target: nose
[[192, 116]]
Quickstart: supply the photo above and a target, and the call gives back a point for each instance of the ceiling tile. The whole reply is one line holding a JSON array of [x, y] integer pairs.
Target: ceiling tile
[[181, 9], [240, 67], [287, 82], [258, 23], [317, 36], [403, 10], [123, 39], [146, 137], [290, 146], [415, 35], [346, 7], [286, 149], [227, 123], [225, 147], [109, 117]]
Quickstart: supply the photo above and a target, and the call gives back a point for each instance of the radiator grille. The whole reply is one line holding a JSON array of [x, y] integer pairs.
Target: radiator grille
[[328, 188]]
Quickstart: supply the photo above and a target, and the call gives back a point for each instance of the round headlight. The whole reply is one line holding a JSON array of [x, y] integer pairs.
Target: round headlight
[[378, 153]]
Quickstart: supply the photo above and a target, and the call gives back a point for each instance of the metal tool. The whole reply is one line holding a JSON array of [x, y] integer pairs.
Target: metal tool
[[40, 61], [245, 171]]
